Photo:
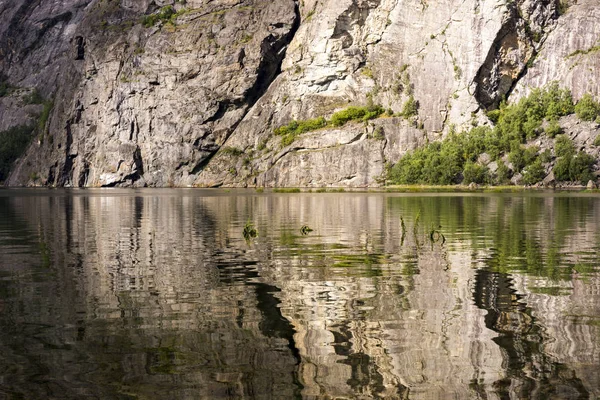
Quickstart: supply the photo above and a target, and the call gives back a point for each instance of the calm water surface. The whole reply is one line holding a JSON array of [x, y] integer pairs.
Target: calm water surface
[[155, 294]]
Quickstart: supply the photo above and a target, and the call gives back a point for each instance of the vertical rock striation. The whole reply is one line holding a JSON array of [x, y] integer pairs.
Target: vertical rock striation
[[174, 94]]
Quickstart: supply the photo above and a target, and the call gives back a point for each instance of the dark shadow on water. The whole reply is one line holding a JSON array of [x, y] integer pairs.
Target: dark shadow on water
[[273, 323]]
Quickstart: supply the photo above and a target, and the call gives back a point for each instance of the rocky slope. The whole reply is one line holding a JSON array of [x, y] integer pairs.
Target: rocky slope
[[149, 95]]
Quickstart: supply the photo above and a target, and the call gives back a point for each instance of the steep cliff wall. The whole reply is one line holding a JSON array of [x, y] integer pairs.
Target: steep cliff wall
[[146, 94]]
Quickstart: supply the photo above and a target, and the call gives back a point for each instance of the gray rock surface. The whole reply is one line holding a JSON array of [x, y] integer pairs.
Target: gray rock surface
[[570, 54], [194, 99]]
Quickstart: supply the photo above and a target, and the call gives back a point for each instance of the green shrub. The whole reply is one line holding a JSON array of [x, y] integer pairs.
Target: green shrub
[[517, 156], [444, 162], [475, 173], [587, 109], [546, 156], [597, 141], [580, 167], [262, 144], [557, 102], [34, 97], [13, 143], [45, 115], [534, 173], [232, 151], [296, 128], [553, 129], [410, 107], [353, 113], [502, 173], [522, 121], [530, 154], [561, 168], [435, 164], [299, 127], [494, 115], [288, 139], [522, 157], [563, 146], [408, 169], [356, 113], [574, 167], [166, 13]]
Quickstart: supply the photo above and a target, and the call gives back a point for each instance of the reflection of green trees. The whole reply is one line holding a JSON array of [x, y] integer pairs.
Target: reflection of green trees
[[527, 233]]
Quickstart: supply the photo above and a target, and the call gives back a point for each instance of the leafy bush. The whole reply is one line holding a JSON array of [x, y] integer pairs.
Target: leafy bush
[[165, 14], [502, 173], [580, 167], [517, 156], [546, 156], [558, 102], [298, 127], [353, 113], [475, 173], [587, 108], [574, 167], [563, 146], [446, 161], [43, 118], [295, 128], [530, 154], [534, 173], [33, 98], [410, 108], [597, 141], [522, 121], [553, 128], [13, 143], [561, 168], [356, 113], [439, 163]]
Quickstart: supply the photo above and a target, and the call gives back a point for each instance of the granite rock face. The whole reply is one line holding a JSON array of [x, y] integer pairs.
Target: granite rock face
[[145, 97], [147, 104]]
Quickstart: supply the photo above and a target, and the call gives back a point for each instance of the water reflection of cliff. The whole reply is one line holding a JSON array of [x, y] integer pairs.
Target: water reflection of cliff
[[156, 294]]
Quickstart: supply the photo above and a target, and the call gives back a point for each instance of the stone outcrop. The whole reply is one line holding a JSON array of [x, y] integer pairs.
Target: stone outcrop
[[570, 54], [145, 97], [148, 104]]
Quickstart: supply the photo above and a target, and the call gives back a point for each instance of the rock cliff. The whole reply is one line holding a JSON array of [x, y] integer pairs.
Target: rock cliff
[[165, 93]]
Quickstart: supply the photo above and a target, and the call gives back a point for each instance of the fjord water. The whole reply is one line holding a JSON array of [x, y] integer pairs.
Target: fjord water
[[155, 294]]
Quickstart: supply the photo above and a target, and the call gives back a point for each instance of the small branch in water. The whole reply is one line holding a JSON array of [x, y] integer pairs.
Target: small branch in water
[[249, 231], [305, 230]]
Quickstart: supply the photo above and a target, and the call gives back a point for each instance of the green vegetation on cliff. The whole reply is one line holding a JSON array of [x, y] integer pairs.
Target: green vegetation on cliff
[[454, 160], [5, 87], [165, 14], [13, 143], [587, 108], [290, 131]]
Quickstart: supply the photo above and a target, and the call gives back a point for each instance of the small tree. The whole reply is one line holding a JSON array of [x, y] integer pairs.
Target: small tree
[[475, 173], [534, 173], [410, 107], [587, 108]]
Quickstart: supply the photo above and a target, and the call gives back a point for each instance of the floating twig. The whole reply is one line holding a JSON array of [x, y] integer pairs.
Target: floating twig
[[305, 230]]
